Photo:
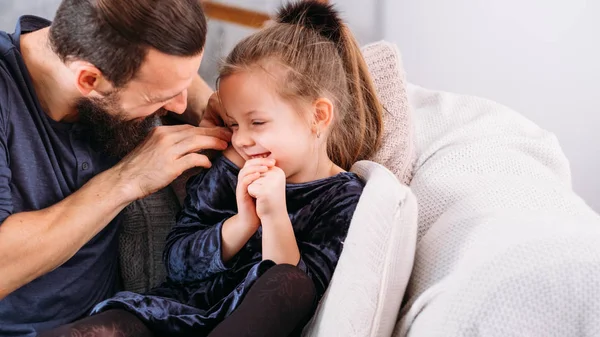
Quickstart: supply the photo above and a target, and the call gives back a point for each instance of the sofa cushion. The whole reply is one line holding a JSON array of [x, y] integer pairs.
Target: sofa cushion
[[364, 296]]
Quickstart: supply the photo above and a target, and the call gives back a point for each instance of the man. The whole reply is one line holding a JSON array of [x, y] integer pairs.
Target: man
[[78, 99]]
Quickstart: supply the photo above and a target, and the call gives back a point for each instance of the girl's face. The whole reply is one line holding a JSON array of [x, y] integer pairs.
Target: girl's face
[[265, 125]]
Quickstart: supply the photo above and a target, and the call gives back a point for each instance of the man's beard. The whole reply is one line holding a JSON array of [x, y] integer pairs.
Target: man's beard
[[107, 129]]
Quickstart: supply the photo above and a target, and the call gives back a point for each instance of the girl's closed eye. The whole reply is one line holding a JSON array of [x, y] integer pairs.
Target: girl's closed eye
[[255, 122]]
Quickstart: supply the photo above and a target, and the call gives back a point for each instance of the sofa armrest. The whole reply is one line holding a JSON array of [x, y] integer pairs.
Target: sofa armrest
[[505, 246], [364, 296]]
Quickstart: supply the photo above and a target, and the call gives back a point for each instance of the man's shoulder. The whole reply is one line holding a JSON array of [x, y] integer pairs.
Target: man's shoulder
[[6, 91], [8, 55], [14, 87], [6, 43], [6, 68], [8, 59], [8, 86]]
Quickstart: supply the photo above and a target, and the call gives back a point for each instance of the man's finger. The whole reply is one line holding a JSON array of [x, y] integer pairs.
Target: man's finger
[[205, 123], [218, 132], [181, 134], [192, 160], [174, 128], [198, 143]]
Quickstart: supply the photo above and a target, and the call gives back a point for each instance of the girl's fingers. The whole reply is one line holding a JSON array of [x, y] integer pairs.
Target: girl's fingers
[[249, 179], [260, 162], [252, 169]]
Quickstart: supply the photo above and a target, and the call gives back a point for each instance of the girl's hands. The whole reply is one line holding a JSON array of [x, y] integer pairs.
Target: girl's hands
[[250, 173], [269, 191]]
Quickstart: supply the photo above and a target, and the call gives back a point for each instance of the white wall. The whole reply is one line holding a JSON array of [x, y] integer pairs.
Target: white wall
[[539, 57], [10, 10], [361, 15]]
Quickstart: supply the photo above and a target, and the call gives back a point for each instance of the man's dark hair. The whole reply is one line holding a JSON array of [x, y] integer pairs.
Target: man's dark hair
[[114, 35]]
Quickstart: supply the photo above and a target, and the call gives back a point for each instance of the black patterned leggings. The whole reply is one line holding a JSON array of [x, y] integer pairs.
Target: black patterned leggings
[[278, 304]]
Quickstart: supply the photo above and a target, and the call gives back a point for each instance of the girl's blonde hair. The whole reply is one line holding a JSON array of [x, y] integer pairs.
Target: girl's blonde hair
[[320, 58]]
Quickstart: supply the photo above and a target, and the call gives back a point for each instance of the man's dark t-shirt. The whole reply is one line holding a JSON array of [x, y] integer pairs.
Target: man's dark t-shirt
[[42, 162]]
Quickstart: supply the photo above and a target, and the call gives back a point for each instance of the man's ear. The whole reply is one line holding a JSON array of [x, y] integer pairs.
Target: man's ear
[[323, 114], [89, 79]]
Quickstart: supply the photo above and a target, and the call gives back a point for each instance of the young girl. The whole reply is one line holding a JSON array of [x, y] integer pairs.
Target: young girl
[[254, 249]]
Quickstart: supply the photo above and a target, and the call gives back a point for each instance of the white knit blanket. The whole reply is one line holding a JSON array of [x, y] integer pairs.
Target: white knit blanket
[[505, 246]]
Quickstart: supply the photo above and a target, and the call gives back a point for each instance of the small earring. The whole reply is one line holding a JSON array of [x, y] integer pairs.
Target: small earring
[[319, 134]]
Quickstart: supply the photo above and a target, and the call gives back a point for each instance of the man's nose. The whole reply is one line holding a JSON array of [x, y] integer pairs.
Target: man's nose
[[177, 104]]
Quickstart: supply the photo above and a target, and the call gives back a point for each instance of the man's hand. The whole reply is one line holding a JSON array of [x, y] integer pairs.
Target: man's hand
[[165, 154], [213, 111], [203, 106]]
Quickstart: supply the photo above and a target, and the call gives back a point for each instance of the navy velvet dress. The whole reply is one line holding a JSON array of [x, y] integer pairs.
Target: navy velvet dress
[[201, 290]]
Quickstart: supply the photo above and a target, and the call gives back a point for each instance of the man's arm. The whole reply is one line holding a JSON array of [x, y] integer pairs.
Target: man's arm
[[35, 243]]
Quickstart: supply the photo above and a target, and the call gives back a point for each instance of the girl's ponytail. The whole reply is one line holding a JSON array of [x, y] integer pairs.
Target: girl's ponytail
[[363, 125]]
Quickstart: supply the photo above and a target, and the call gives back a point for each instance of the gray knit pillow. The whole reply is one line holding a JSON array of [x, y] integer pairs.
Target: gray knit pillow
[[397, 152], [145, 226]]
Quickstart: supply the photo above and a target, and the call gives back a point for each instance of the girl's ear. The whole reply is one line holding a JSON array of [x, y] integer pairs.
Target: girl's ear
[[323, 114]]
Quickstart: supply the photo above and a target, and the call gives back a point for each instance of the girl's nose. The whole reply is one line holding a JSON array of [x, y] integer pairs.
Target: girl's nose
[[240, 139]]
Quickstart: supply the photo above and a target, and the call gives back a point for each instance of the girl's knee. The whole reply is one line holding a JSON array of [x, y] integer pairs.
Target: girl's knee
[[291, 284]]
